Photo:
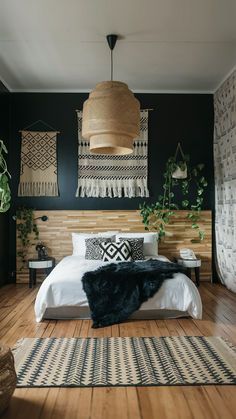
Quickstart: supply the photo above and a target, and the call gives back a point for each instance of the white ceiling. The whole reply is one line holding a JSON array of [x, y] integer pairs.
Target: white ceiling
[[166, 45]]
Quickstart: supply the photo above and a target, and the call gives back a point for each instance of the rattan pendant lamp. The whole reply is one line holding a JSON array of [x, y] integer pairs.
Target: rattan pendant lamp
[[111, 115]]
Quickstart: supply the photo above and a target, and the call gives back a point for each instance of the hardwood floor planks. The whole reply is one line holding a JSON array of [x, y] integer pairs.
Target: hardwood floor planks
[[189, 327], [217, 402], [174, 327], [138, 328], [109, 403], [165, 402], [64, 328], [200, 402], [133, 404]]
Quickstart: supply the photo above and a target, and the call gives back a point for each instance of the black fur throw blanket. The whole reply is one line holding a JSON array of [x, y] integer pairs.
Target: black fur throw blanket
[[116, 290]]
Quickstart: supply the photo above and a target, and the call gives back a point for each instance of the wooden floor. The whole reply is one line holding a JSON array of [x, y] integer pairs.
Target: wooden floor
[[219, 318]]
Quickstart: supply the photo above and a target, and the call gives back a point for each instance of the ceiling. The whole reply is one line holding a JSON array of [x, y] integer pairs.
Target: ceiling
[[165, 45]]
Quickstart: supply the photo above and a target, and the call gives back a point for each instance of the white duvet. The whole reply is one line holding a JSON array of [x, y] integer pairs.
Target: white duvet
[[63, 287]]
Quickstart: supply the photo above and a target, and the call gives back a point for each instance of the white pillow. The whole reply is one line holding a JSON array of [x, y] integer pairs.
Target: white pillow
[[158, 257], [150, 241], [110, 234], [78, 241]]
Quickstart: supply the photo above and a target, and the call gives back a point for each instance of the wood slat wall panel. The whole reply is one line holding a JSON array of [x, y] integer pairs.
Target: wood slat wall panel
[[56, 233]]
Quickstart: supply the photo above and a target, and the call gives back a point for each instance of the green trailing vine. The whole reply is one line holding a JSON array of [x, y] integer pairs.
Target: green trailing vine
[[25, 227], [5, 192], [158, 215]]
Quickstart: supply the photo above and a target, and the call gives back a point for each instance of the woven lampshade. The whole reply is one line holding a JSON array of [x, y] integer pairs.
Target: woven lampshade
[[111, 119]]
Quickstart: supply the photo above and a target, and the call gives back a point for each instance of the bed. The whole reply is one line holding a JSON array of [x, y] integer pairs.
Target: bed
[[61, 295]]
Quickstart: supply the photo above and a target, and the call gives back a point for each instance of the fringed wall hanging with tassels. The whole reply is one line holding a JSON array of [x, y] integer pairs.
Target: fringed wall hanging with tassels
[[108, 176], [38, 175]]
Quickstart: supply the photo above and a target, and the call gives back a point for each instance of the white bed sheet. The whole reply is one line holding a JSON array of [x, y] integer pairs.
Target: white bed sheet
[[63, 287]]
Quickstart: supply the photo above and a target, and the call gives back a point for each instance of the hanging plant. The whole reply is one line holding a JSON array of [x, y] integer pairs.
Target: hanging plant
[[5, 192], [180, 169], [158, 215], [25, 227]]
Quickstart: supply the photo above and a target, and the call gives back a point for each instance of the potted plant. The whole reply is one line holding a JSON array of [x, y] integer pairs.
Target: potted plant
[[25, 227], [180, 170], [158, 215], [5, 192]]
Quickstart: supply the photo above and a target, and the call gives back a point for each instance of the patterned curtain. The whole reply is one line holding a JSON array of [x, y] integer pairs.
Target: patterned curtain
[[225, 180]]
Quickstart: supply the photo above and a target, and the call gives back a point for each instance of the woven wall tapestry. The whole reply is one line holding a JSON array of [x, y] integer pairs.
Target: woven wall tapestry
[[107, 176], [225, 180], [38, 175]]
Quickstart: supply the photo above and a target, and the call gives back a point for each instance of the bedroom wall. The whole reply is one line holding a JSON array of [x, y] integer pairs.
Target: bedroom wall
[[4, 218], [175, 117]]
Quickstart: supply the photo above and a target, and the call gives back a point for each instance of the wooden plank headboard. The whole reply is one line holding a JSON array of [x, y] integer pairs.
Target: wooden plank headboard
[[56, 233]]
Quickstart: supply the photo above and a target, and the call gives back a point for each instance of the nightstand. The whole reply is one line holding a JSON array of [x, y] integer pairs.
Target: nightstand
[[192, 264], [34, 264]]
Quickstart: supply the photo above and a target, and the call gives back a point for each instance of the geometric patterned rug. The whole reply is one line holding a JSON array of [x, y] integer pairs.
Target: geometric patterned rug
[[124, 361]]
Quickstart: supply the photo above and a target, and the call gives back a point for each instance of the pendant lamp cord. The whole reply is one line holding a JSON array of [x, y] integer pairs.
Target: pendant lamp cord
[[111, 65]]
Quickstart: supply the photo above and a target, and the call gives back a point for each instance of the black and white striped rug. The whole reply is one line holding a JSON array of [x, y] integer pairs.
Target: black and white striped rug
[[124, 361]]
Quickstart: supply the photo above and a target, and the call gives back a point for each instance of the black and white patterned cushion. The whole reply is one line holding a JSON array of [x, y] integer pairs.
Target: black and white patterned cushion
[[93, 249], [136, 247], [116, 251]]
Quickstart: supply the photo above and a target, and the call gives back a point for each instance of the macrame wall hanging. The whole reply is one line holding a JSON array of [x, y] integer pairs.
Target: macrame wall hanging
[[38, 175], [107, 176]]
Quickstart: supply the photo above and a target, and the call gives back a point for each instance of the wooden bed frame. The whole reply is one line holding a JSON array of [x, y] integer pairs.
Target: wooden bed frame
[[56, 234]]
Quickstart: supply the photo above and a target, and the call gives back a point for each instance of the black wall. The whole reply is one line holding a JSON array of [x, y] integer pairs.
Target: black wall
[[4, 217], [175, 117]]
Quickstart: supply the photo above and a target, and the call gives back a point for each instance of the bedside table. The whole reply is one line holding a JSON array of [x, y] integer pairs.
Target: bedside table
[[191, 264], [34, 264]]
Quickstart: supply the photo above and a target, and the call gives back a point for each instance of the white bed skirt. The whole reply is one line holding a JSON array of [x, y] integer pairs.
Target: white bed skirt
[[75, 312]]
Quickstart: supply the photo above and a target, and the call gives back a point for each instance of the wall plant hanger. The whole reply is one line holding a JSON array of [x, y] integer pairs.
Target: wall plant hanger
[[180, 170], [158, 215]]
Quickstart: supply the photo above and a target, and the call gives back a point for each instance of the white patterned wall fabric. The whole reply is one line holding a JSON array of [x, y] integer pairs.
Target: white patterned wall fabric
[[225, 180], [109, 176]]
